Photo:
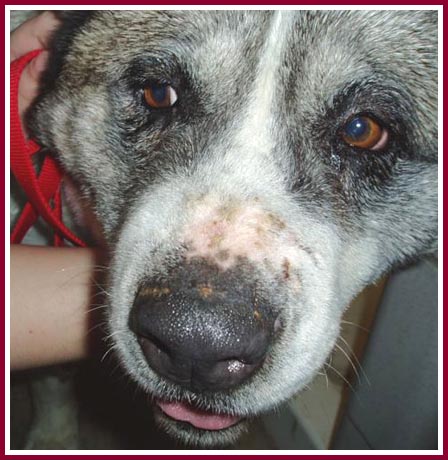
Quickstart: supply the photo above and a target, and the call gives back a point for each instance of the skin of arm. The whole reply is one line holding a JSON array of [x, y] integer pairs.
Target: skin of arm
[[51, 297]]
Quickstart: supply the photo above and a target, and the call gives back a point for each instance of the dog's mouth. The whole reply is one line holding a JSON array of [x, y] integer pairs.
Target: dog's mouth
[[198, 418]]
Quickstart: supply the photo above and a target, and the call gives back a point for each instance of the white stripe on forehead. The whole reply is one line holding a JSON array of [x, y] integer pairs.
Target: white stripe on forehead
[[257, 118], [245, 163]]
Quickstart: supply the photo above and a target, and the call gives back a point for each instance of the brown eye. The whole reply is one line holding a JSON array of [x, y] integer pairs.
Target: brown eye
[[365, 133], [160, 96]]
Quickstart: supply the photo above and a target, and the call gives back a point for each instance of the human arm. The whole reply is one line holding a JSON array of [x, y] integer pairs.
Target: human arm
[[51, 296]]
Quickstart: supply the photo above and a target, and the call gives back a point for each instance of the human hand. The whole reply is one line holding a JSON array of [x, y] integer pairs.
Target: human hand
[[32, 34]]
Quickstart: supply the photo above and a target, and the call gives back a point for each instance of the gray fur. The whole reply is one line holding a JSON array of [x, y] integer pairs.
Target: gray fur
[[262, 99]]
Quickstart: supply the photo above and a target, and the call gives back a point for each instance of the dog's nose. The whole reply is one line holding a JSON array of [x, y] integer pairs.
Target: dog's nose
[[203, 328]]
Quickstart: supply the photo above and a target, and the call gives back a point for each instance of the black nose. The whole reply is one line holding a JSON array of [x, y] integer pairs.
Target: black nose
[[203, 328]]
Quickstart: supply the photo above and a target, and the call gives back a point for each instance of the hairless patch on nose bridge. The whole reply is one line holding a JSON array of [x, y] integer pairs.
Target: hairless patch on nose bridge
[[224, 233]]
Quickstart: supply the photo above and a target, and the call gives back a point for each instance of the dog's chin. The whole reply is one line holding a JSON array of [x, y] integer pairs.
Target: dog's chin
[[198, 428]]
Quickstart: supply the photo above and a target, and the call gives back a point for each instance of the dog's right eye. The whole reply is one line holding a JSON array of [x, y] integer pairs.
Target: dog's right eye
[[160, 96]]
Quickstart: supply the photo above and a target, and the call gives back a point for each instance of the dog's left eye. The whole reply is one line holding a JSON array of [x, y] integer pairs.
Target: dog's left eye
[[364, 132], [160, 96]]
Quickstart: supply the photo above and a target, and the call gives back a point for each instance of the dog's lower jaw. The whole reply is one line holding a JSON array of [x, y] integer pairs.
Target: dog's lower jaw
[[189, 435]]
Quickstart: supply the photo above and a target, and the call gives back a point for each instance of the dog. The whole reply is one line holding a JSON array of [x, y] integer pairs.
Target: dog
[[251, 172]]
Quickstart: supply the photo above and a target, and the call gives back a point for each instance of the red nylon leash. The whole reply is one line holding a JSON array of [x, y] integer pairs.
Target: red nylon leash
[[43, 191]]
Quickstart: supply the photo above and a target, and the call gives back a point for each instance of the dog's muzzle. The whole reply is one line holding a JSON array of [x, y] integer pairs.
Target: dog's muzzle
[[203, 328]]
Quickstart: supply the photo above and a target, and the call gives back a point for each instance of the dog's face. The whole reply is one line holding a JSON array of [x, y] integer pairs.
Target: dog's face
[[252, 171]]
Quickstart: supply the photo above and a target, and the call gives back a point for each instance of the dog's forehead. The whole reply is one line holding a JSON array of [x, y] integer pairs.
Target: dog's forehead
[[223, 44], [191, 36], [190, 28], [338, 47]]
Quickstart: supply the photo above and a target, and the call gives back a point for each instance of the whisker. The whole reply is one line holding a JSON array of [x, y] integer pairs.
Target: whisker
[[350, 361], [121, 376], [358, 326], [333, 369], [112, 334], [107, 352], [101, 289], [96, 307], [100, 268], [324, 374], [358, 363], [96, 326]]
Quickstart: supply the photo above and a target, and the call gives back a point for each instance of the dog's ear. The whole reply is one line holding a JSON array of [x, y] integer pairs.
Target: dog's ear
[[74, 17], [71, 22]]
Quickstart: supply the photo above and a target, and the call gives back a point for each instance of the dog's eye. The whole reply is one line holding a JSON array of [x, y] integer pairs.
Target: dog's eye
[[364, 132], [159, 96]]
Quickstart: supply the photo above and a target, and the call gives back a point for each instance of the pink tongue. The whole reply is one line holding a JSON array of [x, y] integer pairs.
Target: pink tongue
[[200, 419]]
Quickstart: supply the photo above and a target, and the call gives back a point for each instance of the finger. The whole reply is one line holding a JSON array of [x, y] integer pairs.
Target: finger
[[29, 81], [32, 34]]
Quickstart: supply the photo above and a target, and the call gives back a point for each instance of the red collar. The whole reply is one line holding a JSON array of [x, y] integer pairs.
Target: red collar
[[43, 191]]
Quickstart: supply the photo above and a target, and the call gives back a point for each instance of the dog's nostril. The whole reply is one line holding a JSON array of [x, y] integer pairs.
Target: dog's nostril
[[221, 375], [160, 359], [153, 353], [153, 345]]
